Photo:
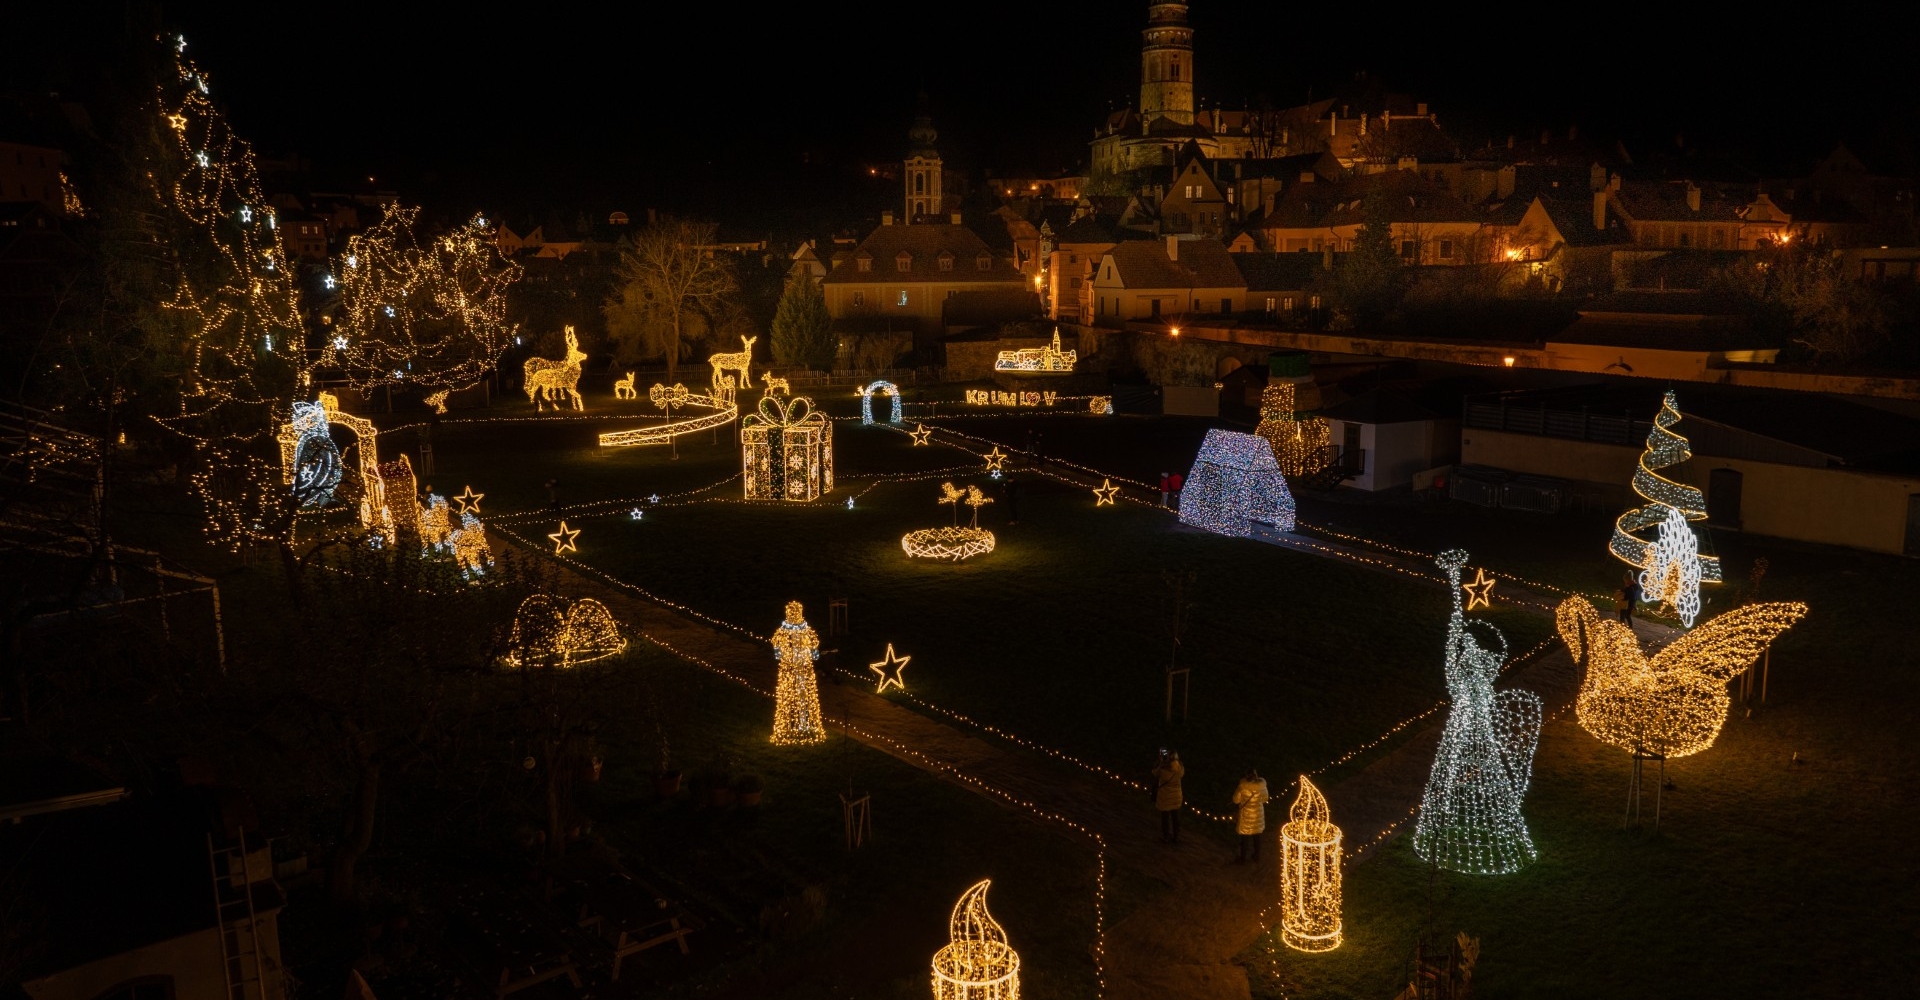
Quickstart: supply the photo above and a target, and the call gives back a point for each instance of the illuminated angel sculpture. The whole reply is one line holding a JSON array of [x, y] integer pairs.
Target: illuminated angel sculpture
[[1470, 815], [977, 963], [1673, 703], [796, 694]]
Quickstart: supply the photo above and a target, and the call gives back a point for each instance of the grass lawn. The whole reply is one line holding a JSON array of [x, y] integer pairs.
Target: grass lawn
[[1767, 878], [1061, 635]]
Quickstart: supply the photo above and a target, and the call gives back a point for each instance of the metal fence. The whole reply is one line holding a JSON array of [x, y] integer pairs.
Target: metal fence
[[1578, 425]]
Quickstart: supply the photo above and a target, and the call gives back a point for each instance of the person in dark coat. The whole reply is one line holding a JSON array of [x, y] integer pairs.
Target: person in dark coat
[[1625, 598]]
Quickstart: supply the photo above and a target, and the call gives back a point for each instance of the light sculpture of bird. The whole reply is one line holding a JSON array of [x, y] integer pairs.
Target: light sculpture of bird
[[1673, 703]]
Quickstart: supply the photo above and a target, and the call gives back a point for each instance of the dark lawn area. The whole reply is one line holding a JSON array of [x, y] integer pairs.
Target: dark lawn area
[[1061, 635]]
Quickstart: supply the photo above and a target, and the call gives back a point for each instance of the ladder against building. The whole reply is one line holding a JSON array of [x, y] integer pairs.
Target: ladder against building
[[238, 873]]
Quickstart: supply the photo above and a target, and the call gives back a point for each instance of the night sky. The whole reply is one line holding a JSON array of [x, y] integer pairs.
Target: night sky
[[691, 106]]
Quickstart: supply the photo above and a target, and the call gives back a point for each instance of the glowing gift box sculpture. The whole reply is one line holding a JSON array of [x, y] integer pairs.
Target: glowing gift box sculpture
[[977, 963], [1235, 483], [1470, 818], [548, 632], [1673, 703], [1310, 874], [786, 451]]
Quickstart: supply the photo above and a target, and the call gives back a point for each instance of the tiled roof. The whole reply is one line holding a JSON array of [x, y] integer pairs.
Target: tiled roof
[[1088, 229], [1574, 219], [1202, 264], [1667, 202], [923, 244], [1277, 272]]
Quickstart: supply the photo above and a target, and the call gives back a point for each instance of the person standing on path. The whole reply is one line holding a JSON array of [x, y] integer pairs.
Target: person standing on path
[[1176, 481], [1166, 488], [1167, 796], [1625, 598], [1251, 798]]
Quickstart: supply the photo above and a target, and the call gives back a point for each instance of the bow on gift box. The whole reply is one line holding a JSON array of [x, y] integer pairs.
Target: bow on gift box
[[667, 398]]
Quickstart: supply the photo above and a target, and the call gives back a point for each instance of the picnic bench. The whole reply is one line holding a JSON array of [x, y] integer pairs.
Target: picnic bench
[[514, 945], [622, 910]]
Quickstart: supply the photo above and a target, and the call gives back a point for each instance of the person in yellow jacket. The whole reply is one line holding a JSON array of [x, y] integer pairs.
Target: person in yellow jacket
[[1167, 796], [1251, 798]]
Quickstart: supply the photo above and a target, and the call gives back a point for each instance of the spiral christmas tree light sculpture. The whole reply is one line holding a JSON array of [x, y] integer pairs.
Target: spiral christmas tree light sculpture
[[1310, 874], [1470, 815], [977, 963], [1664, 450]]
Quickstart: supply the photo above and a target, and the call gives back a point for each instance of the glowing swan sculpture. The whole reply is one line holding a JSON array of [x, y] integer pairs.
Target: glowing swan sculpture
[[1674, 702]]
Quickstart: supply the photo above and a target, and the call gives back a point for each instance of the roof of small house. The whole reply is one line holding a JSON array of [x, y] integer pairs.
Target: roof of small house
[[923, 245], [1201, 264]]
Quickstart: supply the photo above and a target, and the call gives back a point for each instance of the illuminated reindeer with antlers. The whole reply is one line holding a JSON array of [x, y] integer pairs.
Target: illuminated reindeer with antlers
[[547, 379]]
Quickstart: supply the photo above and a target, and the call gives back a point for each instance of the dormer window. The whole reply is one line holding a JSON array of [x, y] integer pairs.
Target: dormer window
[[865, 263], [984, 262], [903, 261], [946, 261]]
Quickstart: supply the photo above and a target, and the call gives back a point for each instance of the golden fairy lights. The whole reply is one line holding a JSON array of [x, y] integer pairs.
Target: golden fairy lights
[[1664, 449], [1298, 438], [891, 670], [796, 700], [996, 397], [977, 962], [952, 543], [1038, 359], [552, 633], [786, 450], [241, 352], [429, 312], [1673, 703], [1310, 873], [550, 381]]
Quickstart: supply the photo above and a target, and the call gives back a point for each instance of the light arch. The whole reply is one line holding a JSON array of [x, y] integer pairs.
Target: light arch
[[866, 401]]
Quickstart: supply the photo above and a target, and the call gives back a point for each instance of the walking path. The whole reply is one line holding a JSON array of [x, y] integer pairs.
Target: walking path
[[1184, 941]]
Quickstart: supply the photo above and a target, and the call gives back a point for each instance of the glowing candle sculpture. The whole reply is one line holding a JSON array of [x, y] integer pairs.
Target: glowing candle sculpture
[[1664, 449], [796, 694], [1470, 815], [549, 632], [977, 963], [1310, 874], [1673, 703]]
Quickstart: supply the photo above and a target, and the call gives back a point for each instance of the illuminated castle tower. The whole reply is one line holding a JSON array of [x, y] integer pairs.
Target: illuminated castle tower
[[1166, 64], [922, 172]]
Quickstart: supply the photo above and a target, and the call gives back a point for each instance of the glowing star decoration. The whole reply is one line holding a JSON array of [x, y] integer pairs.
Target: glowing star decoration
[[1480, 591], [551, 633], [866, 401], [1104, 493], [1673, 703], [1310, 874], [849, 503], [548, 381], [786, 451], [636, 513], [468, 502], [796, 694], [1470, 818], [1038, 359], [1664, 449], [1100, 406], [563, 539], [920, 434], [890, 669], [977, 962], [994, 459], [1235, 486], [1298, 438], [1672, 576]]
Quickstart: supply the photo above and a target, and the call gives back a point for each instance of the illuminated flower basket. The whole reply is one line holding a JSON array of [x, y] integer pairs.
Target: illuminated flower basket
[[977, 963], [786, 451], [1310, 874], [548, 632], [953, 543]]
